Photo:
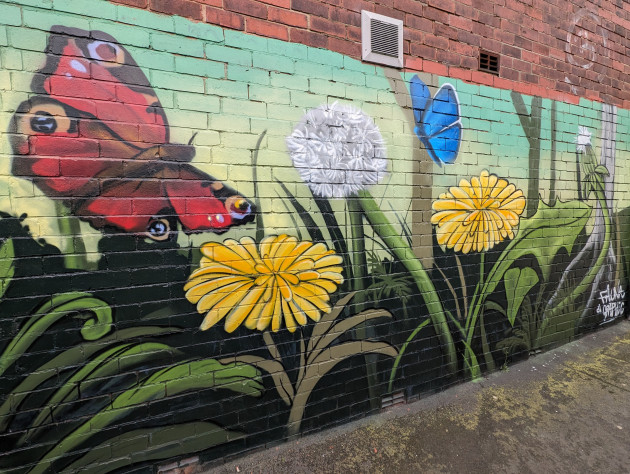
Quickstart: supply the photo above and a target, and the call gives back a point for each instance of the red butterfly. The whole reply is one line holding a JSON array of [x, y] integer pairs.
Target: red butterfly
[[96, 136]]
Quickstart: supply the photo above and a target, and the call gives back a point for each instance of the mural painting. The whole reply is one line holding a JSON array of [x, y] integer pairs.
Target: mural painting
[[180, 340]]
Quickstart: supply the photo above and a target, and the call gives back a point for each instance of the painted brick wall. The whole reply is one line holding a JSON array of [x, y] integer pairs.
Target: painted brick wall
[[547, 47], [218, 236]]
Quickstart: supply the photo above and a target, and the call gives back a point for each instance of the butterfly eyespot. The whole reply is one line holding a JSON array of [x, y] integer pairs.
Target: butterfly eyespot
[[43, 122], [159, 229], [241, 205], [240, 208], [105, 51]]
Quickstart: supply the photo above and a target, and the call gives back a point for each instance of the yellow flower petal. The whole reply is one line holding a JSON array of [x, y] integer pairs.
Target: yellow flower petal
[[221, 308], [478, 214], [229, 258], [289, 320], [298, 314], [267, 312], [279, 282], [295, 254], [328, 261], [302, 265], [205, 287], [309, 309], [209, 300], [276, 317], [245, 307], [285, 289]]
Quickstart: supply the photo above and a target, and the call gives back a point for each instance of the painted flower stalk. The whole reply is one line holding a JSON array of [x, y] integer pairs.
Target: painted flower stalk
[[476, 216], [339, 152]]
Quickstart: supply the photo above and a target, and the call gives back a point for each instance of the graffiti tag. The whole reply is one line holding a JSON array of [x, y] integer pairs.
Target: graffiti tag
[[612, 302]]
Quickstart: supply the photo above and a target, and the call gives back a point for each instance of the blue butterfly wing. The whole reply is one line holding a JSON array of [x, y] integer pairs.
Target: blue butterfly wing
[[443, 147], [441, 125], [420, 95]]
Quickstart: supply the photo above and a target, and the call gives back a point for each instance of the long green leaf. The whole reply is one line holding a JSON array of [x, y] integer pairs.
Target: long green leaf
[[70, 358], [518, 282], [403, 252], [98, 322], [7, 265], [550, 229], [152, 444], [542, 235], [111, 362], [336, 236], [195, 375], [570, 300], [309, 223], [402, 350]]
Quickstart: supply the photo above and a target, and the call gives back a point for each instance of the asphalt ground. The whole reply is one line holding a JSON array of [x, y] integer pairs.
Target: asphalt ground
[[566, 410]]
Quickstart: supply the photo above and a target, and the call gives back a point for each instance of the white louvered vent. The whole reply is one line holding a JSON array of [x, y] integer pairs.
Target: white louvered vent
[[381, 38]]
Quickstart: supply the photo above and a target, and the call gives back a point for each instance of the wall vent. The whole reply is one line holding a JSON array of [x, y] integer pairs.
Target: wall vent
[[381, 38], [488, 62], [388, 401]]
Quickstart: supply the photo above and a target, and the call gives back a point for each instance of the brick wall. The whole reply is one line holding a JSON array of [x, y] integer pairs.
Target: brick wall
[[220, 229], [547, 48]]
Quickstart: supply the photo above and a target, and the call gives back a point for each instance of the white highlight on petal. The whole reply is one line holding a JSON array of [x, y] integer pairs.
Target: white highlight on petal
[[338, 150], [220, 218], [583, 139], [78, 66]]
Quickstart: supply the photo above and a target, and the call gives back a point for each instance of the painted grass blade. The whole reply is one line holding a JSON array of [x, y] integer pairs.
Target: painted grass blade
[[152, 444]]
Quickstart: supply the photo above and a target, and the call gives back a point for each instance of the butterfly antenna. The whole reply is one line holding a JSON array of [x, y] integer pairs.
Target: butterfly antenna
[[192, 138]]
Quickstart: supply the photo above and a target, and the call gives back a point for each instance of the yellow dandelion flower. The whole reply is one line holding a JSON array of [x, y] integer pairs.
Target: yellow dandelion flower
[[280, 279], [479, 214]]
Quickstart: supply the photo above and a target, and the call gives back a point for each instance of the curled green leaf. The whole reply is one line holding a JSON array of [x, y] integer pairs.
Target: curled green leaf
[[96, 313]]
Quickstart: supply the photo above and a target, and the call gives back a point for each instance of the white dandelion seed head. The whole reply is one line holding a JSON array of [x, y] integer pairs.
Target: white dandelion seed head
[[583, 139], [338, 150]]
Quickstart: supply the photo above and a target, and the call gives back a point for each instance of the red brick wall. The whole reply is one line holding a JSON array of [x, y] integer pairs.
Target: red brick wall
[[444, 37]]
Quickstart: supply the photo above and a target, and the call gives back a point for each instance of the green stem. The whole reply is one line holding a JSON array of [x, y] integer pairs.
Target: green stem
[[359, 261], [468, 364], [475, 307], [359, 265], [402, 351], [479, 285], [400, 248], [487, 356]]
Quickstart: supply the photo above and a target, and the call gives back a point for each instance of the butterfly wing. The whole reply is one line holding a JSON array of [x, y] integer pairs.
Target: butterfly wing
[[127, 204], [91, 72], [203, 203], [441, 125], [97, 137], [420, 95]]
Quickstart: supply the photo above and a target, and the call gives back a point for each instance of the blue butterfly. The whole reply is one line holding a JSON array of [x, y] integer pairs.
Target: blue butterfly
[[438, 122]]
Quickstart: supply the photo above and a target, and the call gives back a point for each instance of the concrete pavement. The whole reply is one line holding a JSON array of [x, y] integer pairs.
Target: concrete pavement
[[566, 410]]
